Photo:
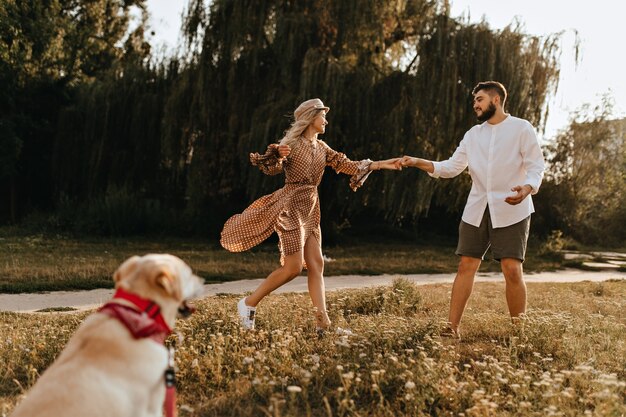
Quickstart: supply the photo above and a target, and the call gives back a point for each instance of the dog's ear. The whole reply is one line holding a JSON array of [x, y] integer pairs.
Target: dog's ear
[[126, 268], [167, 281]]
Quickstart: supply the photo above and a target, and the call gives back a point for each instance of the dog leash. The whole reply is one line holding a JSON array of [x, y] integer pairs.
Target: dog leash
[[170, 385]]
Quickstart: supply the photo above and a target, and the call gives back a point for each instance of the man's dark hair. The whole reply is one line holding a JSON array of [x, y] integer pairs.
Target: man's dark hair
[[492, 87]]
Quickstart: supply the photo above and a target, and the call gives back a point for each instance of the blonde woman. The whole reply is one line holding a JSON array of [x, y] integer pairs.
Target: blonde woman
[[293, 211]]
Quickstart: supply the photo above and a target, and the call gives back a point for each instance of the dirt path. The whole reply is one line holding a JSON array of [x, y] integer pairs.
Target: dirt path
[[83, 300]]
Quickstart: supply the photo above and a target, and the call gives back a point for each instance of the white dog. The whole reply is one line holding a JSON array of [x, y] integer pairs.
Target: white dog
[[114, 364]]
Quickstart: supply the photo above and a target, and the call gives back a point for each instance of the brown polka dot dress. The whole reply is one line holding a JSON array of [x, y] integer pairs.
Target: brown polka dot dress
[[293, 212]]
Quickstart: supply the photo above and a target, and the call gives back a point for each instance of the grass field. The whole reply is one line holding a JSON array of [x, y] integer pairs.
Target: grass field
[[43, 263], [566, 360]]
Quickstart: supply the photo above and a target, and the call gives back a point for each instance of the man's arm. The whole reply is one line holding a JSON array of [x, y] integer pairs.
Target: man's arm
[[532, 159], [449, 168]]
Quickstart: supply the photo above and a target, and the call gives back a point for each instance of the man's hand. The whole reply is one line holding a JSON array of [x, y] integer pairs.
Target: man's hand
[[283, 151], [423, 164], [521, 192], [408, 161]]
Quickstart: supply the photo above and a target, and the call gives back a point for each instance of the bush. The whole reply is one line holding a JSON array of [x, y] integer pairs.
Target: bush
[[586, 178], [403, 299]]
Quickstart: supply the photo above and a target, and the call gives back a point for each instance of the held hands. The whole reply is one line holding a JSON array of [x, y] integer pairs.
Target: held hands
[[392, 163], [412, 161], [395, 163], [407, 161], [521, 192]]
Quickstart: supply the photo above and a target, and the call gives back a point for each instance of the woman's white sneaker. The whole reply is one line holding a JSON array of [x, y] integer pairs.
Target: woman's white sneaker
[[246, 314]]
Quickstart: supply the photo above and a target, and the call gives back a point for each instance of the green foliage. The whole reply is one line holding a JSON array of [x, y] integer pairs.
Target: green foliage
[[48, 48], [586, 178], [397, 76], [67, 41], [553, 244], [117, 213]]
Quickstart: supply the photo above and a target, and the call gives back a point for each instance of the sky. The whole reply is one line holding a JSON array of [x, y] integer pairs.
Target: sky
[[600, 25]]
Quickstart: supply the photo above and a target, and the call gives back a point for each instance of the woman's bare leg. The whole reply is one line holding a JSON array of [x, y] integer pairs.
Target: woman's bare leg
[[280, 276], [315, 275]]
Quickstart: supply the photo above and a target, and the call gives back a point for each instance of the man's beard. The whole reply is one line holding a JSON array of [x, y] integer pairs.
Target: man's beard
[[487, 114]]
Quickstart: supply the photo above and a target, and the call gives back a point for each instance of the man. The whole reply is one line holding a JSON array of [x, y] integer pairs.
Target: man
[[506, 166]]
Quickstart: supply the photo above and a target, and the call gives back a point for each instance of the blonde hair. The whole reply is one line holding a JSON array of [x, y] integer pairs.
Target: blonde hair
[[293, 135]]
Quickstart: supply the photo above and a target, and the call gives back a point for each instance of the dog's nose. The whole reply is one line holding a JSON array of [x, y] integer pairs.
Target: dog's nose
[[185, 310]]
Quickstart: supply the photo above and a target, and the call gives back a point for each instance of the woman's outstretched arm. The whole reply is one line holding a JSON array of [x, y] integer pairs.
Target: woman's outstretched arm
[[393, 164]]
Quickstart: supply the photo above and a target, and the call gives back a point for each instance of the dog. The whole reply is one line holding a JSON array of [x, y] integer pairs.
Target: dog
[[115, 363]]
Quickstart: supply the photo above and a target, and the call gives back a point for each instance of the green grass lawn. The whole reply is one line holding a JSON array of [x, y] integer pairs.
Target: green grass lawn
[[43, 263], [567, 359]]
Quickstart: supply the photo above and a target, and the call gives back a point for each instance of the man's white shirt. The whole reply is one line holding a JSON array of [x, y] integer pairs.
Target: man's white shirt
[[499, 157]]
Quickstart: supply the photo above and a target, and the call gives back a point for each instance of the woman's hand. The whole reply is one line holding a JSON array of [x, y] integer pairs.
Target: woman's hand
[[393, 163], [283, 151]]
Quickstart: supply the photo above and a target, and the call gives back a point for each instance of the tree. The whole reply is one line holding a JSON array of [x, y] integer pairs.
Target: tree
[[397, 75], [586, 177], [46, 49]]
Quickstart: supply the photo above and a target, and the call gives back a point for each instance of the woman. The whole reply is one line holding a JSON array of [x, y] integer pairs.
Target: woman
[[294, 210]]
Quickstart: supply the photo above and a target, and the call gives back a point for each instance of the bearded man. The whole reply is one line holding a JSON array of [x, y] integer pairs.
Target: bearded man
[[506, 166]]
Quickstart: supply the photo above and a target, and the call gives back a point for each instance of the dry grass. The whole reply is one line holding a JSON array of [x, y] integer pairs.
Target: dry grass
[[566, 360], [41, 263]]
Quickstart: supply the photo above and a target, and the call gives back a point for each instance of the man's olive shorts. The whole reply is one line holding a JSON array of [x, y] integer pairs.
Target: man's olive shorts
[[505, 242]]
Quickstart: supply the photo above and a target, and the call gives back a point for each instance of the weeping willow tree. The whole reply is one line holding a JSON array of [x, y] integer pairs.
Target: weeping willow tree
[[397, 75]]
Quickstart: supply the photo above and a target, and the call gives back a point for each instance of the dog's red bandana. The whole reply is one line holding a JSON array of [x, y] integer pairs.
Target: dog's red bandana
[[144, 321]]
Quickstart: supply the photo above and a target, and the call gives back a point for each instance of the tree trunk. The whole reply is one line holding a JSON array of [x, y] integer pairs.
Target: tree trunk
[[13, 199]]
